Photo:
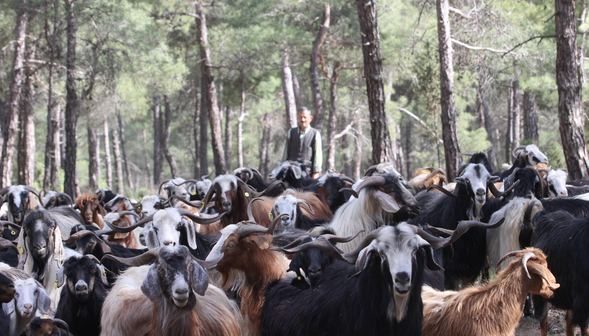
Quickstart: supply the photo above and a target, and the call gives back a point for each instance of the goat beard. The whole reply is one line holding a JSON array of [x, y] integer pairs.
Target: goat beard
[[398, 306]]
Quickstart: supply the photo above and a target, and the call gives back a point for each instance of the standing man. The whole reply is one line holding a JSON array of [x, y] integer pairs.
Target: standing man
[[303, 144]]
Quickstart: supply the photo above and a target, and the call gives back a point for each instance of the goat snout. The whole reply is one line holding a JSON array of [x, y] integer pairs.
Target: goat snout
[[169, 243], [181, 291], [226, 205], [81, 287], [481, 192], [402, 282]]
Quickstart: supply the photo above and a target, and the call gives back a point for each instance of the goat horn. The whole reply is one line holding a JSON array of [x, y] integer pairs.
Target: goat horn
[[128, 213], [525, 259], [142, 259], [354, 193], [201, 220], [465, 225], [205, 200], [3, 191], [508, 190], [78, 235], [271, 187], [352, 256], [159, 189], [246, 187], [439, 229], [4, 243], [276, 220], [370, 181], [245, 230], [516, 149], [306, 205], [250, 214], [442, 189], [120, 229], [434, 172], [185, 182], [34, 192], [207, 264], [5, 222], [198, 204], [61, 323], [69, 198], [320, 243], [370, 170], [347, 179], [337, 239]]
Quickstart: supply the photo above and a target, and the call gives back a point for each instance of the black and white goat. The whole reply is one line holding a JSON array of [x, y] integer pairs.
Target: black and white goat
[[19, 202], [29, 297], [231, 195], [525, 156]]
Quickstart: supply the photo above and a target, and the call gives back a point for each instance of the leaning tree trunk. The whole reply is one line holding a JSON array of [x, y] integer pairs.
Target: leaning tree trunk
[[72, 104], [165, 135], [157, 146], [107, 157], [314, 68], [379, 133], [530, 119], [11, 117], [210, 91], [568, 73], [26, 152], [228, 136], [116, 150], [265, 144], [332, 120], [451, 148], [203, 130], [288, 91]]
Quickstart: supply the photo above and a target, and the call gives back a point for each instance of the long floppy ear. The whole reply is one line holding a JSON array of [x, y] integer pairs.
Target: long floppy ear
[[8, 307], [199, 278], [364, 258], [188, 225], [43, 300], [387, 202], [59, 276], [151, 285], [430, 261], [151, 238]]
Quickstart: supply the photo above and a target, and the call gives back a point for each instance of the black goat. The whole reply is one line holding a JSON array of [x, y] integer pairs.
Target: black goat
[[48, 327], [293, 173], [329, 189], [8, 252], [380, 296], [7, 292], [82, 298], [525, 156], [19, 202], [563, 238], [252, 177]]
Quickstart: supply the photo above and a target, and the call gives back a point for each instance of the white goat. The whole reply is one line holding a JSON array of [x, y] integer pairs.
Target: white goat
[[557, 179], [30, 296]]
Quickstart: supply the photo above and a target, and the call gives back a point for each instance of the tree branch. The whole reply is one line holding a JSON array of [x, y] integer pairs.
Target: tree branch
[[460, 13], [467, 46], [421, 122], [541, 37]]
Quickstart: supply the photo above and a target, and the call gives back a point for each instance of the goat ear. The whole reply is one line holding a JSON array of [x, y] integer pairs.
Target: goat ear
[[199, 278], [262, 240], [364, 259], [151, 238], [59, 277], [388, 203], [190, 232], [151, 285], [43, 301], [430, 260], [8, 307]]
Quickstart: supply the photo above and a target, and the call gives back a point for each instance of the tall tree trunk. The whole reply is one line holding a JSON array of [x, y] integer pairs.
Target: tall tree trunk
[[228, 137], [92, 155], [516, 114], [486, 122], [157, 146], [288, 91], [72, 106], [530, 119], [11, 117], [265, 144], [195, 134], [52, 152], [509, 130], [407, 144], [107, 157], [116, 150], [297, 90], [379, 133], [240, 120], [124, 151], [332, 120], [146, 157], [451, 148], [204, 130], [210, 91], [165, 135], [26, 152], [359, 149], [314, 68], [568, 73]]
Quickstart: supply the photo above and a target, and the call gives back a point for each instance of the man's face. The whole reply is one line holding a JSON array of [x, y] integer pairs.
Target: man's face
[[304, 119]]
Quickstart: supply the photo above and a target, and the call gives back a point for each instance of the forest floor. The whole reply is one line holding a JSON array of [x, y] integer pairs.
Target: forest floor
[[529, 326]]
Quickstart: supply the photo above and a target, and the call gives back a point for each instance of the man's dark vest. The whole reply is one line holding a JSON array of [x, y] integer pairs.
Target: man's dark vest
[[301, 152]]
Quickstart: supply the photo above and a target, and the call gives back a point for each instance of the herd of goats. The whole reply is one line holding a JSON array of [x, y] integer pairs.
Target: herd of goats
[[240, 255]]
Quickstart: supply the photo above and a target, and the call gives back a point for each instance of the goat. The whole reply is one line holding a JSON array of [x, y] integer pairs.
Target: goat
[[29, 297], [424, 178], [47, 327], [252, 177], [247, 265], [81, 301], [175, 291], [122, 215], [564, 239], [376, 195], [7, 292], [380, 295], [292, 173], [53, 199], [232, 196], [332, 189], [9, 230], [91, 209], [492, 309], [105, 196], [463, 261], [202, 187], [301, 210], [8, 253], [525, 156], [19, 202], [556, 180]]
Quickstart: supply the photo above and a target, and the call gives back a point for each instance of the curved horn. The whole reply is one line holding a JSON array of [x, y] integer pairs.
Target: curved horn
[[514, 151], [525, 259], [337, 239], [205, 200], [440, 188], [354, 193], [371, 170], [198, 204], [510, 254], [33, 191], [352, 256], [185, 182], [271, 187], [4, 243], [250, 214], [207, 264], [306, 206], [128, 213], [69, 198], [246, 187], [62, 324], [465, 225], [5, 222], [320, 243], [142, 259], [159, 189], [3, 191], [506, 191], [370, 181], [276, 221], [251, 228], [201, 220], [347, 179], [120, 229], [77, 236], [494, 190]]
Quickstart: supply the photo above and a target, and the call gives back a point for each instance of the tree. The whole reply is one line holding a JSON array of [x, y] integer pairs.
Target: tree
[[210, 91], [165, 135], [451, 149], [72, 106], [568, 80], [314, 67], [530, 118], [26, 141], [157, 145], [288, 91], [11, 117], [379, 133], [107, 156], [332, 119]]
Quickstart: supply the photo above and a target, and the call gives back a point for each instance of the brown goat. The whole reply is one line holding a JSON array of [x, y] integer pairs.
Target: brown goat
[[493, 309], [247, 265], [91, 210], [122, 205], [424, 178]]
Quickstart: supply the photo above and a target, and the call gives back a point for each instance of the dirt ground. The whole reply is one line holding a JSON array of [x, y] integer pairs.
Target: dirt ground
[[529, 326]]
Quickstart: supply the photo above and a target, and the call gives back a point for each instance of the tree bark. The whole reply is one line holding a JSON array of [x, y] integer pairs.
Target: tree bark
[[210, 91], [570, 108], [332, 119], [487, 123], [165, 135], [228, 136], [11, 117], [240, 119], [107, 157], [451, 148], [359, 149], [407, 144], [116, 150], [530, 119], [314, 67], [92, 155], [265, 144], [379, 133], [26, 152], [195, 135], [72, 104], [288, 91], [509, 130], [124, 151], [516, 114], [157, 146], [297, 90]]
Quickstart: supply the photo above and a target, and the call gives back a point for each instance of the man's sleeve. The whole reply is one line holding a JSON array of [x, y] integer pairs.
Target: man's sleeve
[[285, 154], [318, 162]]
